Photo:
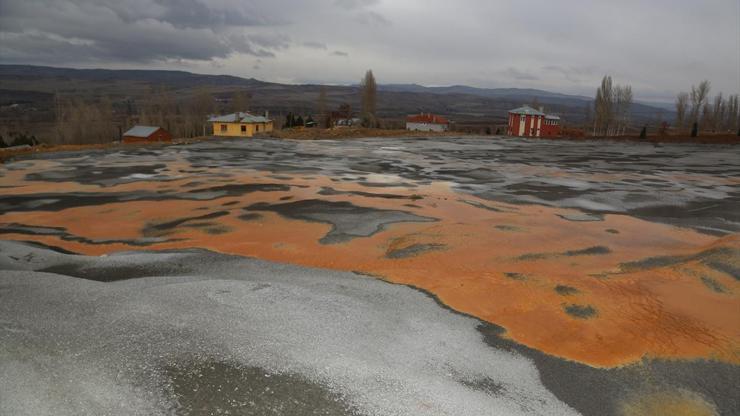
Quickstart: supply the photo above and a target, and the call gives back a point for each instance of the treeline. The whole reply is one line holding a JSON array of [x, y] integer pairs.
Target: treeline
[[79, 121], [612, 107], [326, 118], [695, 109]]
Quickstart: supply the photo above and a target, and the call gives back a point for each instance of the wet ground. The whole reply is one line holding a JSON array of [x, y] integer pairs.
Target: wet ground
[[536, 277]]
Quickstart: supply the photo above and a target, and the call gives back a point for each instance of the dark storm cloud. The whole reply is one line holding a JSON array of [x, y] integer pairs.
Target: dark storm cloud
[[71, 31], [660, 47], [195, 14]]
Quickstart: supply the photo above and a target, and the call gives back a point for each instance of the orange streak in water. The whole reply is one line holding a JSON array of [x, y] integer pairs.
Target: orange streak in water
[[476, 268]]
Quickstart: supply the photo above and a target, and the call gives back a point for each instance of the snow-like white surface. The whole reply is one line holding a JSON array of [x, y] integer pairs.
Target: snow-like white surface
[[70, 346]]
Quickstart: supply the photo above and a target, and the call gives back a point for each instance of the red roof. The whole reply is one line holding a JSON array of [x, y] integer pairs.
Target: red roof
[[427, 118]]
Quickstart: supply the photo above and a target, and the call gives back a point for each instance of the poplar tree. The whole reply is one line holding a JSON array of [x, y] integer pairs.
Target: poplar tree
[[682, 104], [369, 89]]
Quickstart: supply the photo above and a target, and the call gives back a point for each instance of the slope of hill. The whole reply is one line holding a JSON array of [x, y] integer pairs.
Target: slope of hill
[[461, 103], [640, 110]]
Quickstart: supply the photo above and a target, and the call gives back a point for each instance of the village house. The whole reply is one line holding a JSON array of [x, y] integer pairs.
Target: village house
[[138, 134], [344, 117], [529, 122], [240, 125], [427, 122]]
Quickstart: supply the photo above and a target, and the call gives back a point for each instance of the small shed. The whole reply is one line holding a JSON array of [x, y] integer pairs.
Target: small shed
[[427, 122], [139, 134]]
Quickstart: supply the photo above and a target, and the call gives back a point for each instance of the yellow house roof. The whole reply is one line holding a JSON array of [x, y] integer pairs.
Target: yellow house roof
[[239, 118]]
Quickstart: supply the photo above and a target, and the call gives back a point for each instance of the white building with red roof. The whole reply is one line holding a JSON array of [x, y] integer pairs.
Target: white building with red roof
[[427, 122]]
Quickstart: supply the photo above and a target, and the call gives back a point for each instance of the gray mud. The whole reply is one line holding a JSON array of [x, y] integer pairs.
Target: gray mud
[[678, 184], [348, 221], [199, 333]]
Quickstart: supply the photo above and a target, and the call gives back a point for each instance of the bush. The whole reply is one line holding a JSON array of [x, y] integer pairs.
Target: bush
[[369, 121], [18, 139]]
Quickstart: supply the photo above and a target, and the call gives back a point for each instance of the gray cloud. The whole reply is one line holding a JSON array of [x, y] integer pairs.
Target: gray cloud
[[355, 4], [72, 31], [372, 18], [315, 45], [519, 75], [565, 46]]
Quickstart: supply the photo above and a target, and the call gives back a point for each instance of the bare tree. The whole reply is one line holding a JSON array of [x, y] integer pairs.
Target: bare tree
[[322, 108], [201, 106], [239, 102], [706, 116], [603, 106], [535, 103], [369, 90], [718, 113], [81, 122], [732, 117], [682, 104], [587, 114], [698, 99], [623, 103]]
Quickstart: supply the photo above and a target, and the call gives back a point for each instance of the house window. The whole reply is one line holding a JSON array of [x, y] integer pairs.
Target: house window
[[224, 128], [257, 128], [244, 129]]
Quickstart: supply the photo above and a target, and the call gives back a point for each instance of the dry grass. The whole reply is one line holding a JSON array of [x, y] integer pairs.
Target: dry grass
[[9, 153], [352, 133]]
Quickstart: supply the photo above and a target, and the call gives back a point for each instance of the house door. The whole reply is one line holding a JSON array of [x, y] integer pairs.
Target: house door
[[522, 131]]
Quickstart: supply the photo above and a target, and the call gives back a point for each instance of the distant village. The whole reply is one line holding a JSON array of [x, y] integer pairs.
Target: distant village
[[160, 117], [524, 121], [611, 117]]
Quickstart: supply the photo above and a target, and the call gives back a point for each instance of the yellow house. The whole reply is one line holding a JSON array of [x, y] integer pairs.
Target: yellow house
[[240, 125]]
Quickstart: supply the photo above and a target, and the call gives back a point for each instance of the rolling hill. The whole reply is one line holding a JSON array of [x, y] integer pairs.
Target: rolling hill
[[35, 86]]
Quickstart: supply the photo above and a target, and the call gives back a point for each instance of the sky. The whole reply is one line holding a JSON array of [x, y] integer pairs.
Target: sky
[[660, 47]]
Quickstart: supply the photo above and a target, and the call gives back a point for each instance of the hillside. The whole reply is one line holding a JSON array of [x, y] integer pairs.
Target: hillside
[[33, 89], [640, 111]]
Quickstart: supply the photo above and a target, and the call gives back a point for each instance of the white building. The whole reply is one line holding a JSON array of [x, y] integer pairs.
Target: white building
[[427, 122]]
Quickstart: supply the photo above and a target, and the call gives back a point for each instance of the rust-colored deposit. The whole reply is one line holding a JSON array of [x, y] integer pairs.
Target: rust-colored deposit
[[605, 292]]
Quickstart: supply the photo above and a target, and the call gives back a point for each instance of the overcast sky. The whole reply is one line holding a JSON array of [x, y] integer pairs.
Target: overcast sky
[[660, 47]]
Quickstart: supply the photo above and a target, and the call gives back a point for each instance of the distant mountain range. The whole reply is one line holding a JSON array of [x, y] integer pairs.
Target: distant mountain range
[[461, 103], [529, 94]]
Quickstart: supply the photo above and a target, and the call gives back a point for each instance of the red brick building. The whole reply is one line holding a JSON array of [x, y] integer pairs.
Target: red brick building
[[528, 122], [551, 126], [146, 134]]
